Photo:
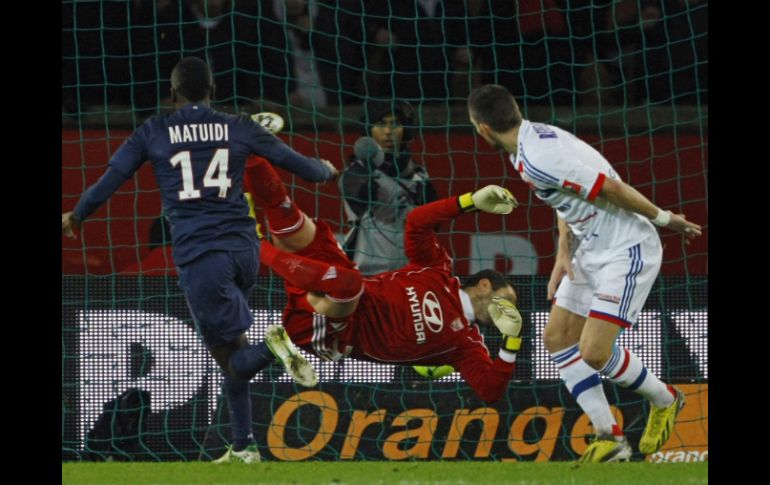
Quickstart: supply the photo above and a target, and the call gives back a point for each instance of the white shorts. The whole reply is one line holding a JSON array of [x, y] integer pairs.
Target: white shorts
[[612, 286]]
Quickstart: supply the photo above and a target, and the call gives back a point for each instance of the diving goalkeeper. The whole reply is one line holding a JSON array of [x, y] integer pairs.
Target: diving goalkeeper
[[416, 315]]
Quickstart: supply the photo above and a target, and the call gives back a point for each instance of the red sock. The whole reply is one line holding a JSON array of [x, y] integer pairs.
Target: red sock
[[339, 284], [284, 220], [268, 191], [264, 183]]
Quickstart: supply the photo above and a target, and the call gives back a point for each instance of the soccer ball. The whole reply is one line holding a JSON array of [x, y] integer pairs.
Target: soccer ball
[[433, 371], [272, 122]]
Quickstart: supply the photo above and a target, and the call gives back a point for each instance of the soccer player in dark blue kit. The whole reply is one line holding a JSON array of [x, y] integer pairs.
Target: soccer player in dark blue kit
[[199, 157]]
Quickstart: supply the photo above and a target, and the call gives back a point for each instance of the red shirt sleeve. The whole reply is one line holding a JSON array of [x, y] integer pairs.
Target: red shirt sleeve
[[488, 378], [421, 245]]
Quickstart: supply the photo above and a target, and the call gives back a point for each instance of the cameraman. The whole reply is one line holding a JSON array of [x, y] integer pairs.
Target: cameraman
[[380, 185]]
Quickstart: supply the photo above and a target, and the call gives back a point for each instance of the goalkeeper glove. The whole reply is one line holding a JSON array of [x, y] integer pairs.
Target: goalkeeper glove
[[253, 214], [252, 205], [507, 319], [492, 199]]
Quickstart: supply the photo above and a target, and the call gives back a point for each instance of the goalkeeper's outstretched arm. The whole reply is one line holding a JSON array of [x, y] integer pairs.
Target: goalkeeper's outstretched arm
[[420, 242]]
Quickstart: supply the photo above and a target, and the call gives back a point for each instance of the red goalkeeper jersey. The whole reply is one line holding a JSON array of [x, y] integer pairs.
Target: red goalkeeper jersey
[[413, 315]]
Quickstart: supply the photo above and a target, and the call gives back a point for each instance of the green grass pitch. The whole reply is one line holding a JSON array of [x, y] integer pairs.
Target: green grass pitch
[[406, 473]]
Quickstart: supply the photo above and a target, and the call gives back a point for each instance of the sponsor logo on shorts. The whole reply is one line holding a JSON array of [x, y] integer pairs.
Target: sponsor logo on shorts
[[610, 298]]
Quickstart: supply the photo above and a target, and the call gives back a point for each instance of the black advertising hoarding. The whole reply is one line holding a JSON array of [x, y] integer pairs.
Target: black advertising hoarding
[[129, 350]]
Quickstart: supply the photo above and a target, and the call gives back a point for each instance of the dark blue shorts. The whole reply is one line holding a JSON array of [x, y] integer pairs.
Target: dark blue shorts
[[216, 286]]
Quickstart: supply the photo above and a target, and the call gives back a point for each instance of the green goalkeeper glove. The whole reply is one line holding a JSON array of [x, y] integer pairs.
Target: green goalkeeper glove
[[507, 319], [492, 199], [253, 214]]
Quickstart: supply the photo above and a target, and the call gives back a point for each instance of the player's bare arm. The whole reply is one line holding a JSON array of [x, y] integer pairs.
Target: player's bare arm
[[563, 262], [627, 197]]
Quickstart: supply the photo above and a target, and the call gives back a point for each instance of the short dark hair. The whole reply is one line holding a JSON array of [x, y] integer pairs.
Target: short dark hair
[[192, 79], [495, 106], [376, 109], [496, 278]]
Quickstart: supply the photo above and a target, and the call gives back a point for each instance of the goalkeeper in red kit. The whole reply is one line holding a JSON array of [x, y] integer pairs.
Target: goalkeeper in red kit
[[416, 315]]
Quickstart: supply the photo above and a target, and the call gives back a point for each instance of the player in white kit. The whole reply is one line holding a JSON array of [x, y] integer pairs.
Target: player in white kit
[[608, 257]]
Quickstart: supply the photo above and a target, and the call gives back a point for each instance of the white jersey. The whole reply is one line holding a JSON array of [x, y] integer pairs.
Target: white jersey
[[567, 174]]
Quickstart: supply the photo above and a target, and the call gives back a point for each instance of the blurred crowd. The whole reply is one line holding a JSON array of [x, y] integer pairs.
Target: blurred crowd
[[323, 53]]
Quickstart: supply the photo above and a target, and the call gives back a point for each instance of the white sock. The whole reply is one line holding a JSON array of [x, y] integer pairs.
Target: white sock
[[585, 385], [626, 370]]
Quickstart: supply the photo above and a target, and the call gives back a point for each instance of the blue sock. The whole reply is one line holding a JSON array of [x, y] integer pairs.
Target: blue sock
[[239, 406], [250, 359], [584, 384], [626, 370]]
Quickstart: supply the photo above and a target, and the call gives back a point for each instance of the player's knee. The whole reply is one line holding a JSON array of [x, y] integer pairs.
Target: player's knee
[[222, 353], [556, 338], [234, 384], [238, 365], [563, 329], [594, 355], [552, 339], [248, 360]]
